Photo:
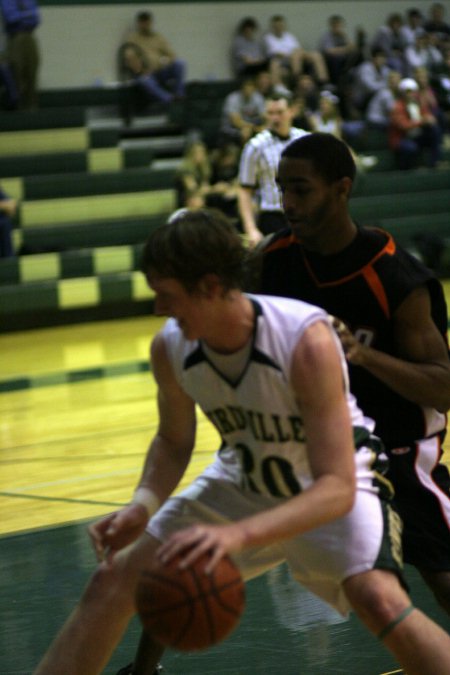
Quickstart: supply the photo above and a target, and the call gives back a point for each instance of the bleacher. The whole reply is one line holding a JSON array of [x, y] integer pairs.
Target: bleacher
[[94, 173]]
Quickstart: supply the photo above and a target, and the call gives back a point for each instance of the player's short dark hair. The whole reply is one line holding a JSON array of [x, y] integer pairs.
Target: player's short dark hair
[[195, 243], [330, 157]]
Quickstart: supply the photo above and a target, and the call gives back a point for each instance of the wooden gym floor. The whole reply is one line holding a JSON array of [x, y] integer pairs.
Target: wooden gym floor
[[77, 409]]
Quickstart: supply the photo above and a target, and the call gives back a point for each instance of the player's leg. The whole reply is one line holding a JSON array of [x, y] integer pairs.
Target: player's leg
[[420, 646], [91, 633], [422, 489]]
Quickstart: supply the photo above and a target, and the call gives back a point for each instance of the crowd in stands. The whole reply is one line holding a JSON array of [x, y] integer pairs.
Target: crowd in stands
[[398, 82]]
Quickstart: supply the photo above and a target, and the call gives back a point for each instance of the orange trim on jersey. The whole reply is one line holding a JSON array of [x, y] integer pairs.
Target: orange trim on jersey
[[282, 243], [369, 274]]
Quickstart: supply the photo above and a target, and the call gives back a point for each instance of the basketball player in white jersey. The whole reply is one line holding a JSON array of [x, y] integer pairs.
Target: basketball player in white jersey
[[296, 479]]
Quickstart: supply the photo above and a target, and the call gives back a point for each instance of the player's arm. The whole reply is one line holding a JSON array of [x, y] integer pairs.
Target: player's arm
[[317, 379], [172, 445], [166, 461], [421, 372], [247, 214]]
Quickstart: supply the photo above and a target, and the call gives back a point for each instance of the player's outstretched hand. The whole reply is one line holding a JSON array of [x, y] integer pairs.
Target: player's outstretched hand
[[117, 530]]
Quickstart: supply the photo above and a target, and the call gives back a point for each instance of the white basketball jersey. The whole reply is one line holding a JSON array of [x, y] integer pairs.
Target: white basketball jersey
[[257, 414]]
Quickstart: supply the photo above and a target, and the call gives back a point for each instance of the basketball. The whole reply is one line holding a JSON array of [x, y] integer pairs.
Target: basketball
[[187, 609]]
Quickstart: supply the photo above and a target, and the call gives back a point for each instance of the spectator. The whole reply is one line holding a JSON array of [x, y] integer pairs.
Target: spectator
[[413, 26], [437, 27], [247, 51], [340, 53], [8, 209], [440, 78], [163, 71], [391, 39], [21, 18], [380, 105], [285, 53], [369, 77], [224, 172], [413, 128], [9, 95], [308, 90], [427, 96], [243, 113], [422, 53], [201, 183], [328, 120]]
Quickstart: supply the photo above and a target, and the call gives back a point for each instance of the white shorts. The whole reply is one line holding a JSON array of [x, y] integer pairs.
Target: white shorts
[[367, 538]]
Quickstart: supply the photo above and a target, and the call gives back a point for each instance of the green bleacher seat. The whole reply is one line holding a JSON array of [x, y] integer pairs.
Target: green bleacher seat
[[393, 182], [370, 210], [88, 234]]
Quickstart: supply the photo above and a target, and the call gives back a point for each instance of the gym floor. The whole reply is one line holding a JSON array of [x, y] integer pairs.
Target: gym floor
[[77, 409]]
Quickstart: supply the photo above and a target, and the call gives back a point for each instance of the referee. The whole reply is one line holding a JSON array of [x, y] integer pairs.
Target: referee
[[258, 170]]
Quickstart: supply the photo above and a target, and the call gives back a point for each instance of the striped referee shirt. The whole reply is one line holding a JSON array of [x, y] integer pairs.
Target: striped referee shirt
[[259, 165]]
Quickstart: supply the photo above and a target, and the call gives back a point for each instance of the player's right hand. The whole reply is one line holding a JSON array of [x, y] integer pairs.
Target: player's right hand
[[117, 530]]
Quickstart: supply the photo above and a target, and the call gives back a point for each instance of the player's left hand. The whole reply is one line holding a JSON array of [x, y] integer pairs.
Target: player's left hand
[[117, 530], [353, 349], [193, 541]]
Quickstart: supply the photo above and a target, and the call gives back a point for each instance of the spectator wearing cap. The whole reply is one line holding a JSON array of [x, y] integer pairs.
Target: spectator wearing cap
[[413, 128]]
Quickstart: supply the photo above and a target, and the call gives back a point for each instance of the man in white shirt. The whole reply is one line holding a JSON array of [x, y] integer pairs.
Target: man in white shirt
[[258, 171]]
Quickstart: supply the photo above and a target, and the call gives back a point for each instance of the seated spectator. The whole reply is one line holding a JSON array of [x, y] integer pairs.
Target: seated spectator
[[247, 51], [427, 96], [198, 180], [161, 73], [413, 128], [422, 54], [302, 114], [369, 77], [328, 120], [285, 53], [224, 180], [266, 86], [412, 26], [340, 53], [308, 90], [390, 38], [242, 113], [8, 209], [440, 79], [378, 111], [437, 27]]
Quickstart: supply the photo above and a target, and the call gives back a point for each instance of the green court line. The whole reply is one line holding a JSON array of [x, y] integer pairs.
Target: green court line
[[73, 376], [65, 500]]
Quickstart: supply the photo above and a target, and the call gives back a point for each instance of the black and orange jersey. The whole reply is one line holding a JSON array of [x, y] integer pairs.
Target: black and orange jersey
[[363, 285]]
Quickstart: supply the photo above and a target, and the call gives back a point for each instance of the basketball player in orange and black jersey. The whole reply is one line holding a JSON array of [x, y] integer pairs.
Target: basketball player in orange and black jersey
[[392, 321]]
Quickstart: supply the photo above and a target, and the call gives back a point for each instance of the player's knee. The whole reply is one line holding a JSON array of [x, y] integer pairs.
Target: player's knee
[[109, 586], [377, 597]]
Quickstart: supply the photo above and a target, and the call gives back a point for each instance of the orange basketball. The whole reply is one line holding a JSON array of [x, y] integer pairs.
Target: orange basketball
[[187, 609]]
